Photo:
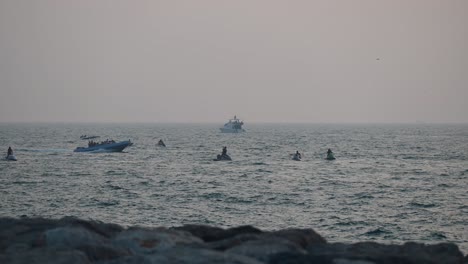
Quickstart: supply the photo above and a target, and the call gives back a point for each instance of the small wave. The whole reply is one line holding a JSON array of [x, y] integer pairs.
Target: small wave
[[422, 205], [213, 196], [438, 236], [377, 232], [262, 170], [108, 203], [44, 150], [238, 200], [364, 196], [23, 182], [79, 173], [410, 158], [350, 223], [115, 187], [112, 172]]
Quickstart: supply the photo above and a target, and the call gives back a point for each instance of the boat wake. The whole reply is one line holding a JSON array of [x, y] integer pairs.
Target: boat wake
[[100, 151], [44, 150]]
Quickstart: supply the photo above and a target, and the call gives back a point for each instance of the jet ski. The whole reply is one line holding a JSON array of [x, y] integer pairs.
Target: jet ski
[[222, 157], [330, 156], [11, 157], [296, 157]]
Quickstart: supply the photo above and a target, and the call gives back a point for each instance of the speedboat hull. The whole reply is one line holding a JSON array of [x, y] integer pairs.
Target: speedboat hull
[[231, 130], [113, 147], [11, 158]]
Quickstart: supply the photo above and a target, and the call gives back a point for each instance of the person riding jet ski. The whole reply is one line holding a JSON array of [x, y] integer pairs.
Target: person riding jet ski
[[297, 156], [10, 155], [223, 156]]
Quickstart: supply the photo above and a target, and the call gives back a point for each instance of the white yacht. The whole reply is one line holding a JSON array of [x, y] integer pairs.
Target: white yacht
[[233, 126]]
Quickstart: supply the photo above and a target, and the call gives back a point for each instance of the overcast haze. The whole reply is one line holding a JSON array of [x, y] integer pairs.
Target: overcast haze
[[204, 61]]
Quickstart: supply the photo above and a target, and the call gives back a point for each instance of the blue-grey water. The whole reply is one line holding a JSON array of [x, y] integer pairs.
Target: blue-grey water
[[390, 183]]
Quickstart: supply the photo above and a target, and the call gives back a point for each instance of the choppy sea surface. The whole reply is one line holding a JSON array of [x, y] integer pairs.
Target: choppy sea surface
[[389, 183]]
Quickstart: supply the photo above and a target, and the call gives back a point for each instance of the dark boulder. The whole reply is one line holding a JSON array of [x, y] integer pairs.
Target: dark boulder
[[409, 253], [262, 249], [70, 240], [49, 256], [232, 241], [300, 237], [209, 234]]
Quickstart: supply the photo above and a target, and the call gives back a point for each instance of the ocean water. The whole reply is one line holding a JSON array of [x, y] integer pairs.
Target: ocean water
[[390, 183]]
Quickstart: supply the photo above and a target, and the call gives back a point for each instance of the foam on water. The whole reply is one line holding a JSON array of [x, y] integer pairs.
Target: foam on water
[[390, 183]]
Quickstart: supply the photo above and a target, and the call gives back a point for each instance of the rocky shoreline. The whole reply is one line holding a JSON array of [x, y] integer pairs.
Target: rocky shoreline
[[70, 240]]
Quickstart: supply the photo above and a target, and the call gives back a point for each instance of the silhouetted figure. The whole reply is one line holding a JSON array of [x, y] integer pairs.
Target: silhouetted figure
[[224, 153], [329, 151], [161, 143], [10, 151]]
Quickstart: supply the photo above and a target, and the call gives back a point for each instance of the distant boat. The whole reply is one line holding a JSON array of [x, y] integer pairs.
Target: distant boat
[[110, 146], [83, 137], [233, 126]]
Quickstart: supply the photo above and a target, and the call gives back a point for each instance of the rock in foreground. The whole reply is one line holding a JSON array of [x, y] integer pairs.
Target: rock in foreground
[[70, 240]]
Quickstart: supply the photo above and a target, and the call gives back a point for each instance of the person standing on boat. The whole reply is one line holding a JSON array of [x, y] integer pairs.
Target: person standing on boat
[[329, 152], [298, 154], [224, 151], [9, 152]]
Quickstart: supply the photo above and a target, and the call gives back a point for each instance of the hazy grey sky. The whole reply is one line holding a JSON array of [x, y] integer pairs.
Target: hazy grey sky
[[204, 61]]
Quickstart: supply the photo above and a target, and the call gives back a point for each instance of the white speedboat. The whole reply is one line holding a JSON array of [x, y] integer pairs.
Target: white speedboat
[[11, 157], [233, 126], [107, 146]]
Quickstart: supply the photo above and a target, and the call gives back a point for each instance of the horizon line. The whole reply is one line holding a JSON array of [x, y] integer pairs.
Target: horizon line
[[252, 122]]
